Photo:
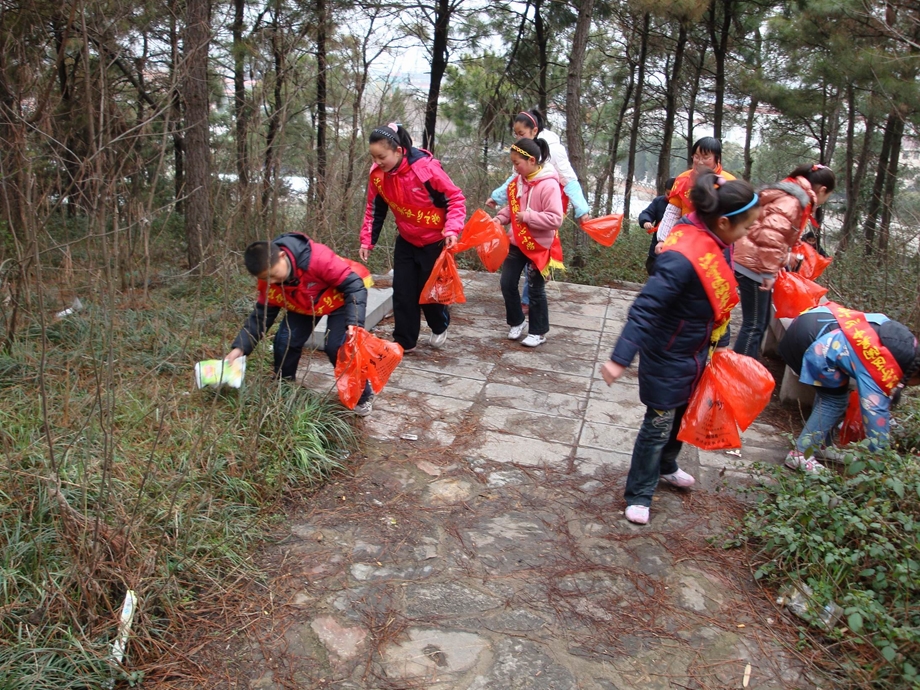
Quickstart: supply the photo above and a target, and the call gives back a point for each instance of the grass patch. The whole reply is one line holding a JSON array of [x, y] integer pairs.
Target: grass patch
[[119, 475]]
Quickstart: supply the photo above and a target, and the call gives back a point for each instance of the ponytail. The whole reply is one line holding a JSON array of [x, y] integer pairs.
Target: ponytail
[[532, 119], [393, 135], [537, 149], [713, 198], [817, 175]]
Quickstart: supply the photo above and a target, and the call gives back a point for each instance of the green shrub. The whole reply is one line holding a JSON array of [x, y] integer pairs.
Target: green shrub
[[854, 538]]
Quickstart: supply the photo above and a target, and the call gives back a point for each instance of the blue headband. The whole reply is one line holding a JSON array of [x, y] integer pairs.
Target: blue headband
[[749, 206]]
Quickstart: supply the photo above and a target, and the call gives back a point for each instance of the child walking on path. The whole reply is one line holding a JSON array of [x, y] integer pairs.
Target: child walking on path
[[534, 209], [309, 281], [681, 314], [786, 208], [826, 347], [430, 211]]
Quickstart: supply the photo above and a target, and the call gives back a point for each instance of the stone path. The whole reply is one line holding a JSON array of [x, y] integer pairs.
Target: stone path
[[481, 543]]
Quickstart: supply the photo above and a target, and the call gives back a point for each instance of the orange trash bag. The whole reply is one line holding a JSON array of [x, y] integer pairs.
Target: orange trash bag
[[382, 359], [479, 229], [851, 429], [604, 230], [708, 422], [813, 264], [493, 253], [793, 294], [444, 285], [351, 368], [745, 383]]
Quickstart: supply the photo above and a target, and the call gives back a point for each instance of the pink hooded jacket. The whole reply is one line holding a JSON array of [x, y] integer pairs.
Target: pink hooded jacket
[[784, 210], [541, 199]]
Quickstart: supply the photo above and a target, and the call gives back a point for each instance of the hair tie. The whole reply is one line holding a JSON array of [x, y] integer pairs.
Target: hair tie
[[532, 119], [751, 204], [720, 181], [817, 166], [394, 126], [515, 147]]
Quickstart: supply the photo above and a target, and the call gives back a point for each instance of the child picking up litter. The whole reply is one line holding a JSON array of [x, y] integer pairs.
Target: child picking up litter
[[308, 280], [680, 315], [829, 345]]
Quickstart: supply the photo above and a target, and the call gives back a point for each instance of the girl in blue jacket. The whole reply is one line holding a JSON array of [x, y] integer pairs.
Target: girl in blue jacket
[[679, 317]]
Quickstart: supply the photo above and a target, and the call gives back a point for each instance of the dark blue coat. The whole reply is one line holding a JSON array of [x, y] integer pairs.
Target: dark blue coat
[[670, 324], [654, 212]]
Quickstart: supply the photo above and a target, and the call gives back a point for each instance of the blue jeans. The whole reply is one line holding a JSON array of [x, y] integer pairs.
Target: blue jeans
[[829, 408], [654, 454], [755, 316], [525, 291], [515, 263]]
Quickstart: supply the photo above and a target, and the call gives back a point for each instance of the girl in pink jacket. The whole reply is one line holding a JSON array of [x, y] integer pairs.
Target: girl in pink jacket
[[786, 208], [535, 213], [430, 211]]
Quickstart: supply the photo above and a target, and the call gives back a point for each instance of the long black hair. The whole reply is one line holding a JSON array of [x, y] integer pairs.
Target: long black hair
[[817, 175], [393, 135], [532, 148], [532, 119], [714, 197]]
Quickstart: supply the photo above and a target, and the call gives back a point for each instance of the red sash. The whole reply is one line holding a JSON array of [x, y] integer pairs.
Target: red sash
[[544, 259], [428, 216], [711, 268], [295, 299], [877, 358]]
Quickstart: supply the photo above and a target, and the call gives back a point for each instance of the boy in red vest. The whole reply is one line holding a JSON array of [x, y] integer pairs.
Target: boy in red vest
[[308, 280]]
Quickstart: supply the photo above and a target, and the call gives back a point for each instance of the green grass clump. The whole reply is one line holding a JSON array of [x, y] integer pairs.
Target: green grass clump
[[119, 475], [854, 538]]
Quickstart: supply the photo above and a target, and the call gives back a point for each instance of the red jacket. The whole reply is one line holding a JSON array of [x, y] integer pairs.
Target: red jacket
[[427, 205]]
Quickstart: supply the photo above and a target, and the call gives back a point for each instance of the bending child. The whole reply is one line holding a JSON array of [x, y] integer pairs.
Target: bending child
[[681, 314], [535, 212], [308, 280]]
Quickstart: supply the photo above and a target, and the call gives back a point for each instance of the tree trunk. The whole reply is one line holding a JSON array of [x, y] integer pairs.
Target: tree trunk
[[614, 150], [542, 41], [239, 106], [691, 103], [875, 202], [176, 104], [573, 115], [670, 111], [270, 167], [637, 115], [748, 135], [321, 21], [198, 204], [720, 49], [438, 67], [854, 180], [891, 181]]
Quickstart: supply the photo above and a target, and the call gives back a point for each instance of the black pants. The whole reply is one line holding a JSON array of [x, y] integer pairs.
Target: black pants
[[650, 259], [293, 333], [411, 269], [755, 316], [517, 262]]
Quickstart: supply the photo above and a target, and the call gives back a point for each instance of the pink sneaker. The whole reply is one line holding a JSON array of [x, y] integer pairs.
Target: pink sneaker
[[796, 460], [679, 478], [637, 514]]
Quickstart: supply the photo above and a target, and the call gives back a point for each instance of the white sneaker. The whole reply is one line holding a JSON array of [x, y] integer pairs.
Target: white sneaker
[[637, 514], [517, 331], [679, 478], [796, 460], [438, 339], [365, 408], [532, 340]]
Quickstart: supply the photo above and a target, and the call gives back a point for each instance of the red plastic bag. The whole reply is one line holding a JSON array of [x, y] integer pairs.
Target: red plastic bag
[[479, 229], [709, 423], [851, 430], [351, 368], [444, 285], [604, 230], [382, 358], [813, 264], [493, 253], [793, 294], [745, 383]]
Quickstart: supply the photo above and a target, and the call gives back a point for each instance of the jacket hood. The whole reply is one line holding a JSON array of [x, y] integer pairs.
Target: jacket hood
[[298, 245], [549, 137], [797, 187], [547, 172]]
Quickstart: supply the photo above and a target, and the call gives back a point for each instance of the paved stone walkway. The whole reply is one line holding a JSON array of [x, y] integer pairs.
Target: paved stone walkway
[[481, 543]]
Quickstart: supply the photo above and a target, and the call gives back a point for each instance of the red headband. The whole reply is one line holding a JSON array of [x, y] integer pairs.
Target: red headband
[[531, 118]]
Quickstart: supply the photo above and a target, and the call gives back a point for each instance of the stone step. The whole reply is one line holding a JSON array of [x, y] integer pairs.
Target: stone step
[[379, 304]]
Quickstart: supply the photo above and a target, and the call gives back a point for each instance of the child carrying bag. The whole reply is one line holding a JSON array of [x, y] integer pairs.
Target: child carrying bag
[[364, 358]]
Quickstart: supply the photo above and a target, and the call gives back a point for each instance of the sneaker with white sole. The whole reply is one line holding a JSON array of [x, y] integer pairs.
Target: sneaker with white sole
[[532, 340], [517, 331], [796, 460], [438, 339], [365, 408], [679, 478], [637, 514]]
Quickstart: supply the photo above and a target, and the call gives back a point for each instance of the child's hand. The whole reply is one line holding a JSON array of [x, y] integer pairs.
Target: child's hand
[[364, 253], [611, 371], [233, 354], [584, 218], [450, 241], [659, 247], [491, 203], [648, 225], [519, 217]]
